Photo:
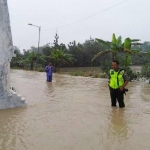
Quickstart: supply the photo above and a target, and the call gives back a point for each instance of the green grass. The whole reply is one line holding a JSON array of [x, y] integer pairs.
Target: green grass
[[94, 72], [40, 69]]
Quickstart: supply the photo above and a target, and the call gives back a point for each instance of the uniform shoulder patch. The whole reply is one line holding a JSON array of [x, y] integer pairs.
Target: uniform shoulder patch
[[112, 72]]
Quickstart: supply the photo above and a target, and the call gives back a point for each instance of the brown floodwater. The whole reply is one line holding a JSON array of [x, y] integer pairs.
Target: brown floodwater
[[74, 113]]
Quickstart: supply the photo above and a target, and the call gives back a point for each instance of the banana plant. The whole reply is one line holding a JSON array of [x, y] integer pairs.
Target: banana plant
[[127, 46], [31, 60], [116, 46], [59, 57], [113, 47]]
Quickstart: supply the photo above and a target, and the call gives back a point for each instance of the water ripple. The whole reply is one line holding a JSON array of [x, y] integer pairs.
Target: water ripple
[[74, 113]]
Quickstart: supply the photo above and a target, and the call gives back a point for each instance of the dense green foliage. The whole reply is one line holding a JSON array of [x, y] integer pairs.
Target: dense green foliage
[[80, 55]]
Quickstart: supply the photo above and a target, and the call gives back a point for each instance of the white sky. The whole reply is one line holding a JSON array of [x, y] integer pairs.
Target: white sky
[[128, 19]]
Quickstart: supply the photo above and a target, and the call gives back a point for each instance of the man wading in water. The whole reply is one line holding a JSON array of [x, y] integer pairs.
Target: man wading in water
[[49, 72], [117, 82]]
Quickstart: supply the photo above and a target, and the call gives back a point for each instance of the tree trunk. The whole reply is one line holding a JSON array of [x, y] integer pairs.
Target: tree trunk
[[31, 67], [114, 56]]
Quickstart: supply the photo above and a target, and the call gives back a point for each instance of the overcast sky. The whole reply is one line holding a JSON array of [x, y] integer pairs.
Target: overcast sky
[[130, 18]]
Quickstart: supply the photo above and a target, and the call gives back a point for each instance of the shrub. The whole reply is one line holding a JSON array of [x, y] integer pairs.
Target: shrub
[[146, 71]]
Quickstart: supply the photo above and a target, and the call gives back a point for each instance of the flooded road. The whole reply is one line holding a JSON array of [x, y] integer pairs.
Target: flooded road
[[74, 113]]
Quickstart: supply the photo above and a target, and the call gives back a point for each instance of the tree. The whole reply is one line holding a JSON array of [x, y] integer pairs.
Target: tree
[[117, 46], [30, 60], [113, 47], [56, 41], [146, 47], [47, 50], [15, 60], [17, 52], [129, 51], [60, 58]]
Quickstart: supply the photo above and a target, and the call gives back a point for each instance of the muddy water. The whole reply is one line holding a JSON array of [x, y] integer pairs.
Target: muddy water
[[74, 113]]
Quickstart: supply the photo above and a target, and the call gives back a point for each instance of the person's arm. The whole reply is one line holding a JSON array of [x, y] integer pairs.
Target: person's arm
[[126, 80], [52, 69], [108, 77], [46, 69], [125, 83]]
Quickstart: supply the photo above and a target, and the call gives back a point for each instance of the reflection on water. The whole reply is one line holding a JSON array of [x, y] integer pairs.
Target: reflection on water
[[74, 113], [118, 129]]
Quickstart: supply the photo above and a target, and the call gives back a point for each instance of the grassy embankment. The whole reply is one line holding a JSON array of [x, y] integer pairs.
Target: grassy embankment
[[94, 72]]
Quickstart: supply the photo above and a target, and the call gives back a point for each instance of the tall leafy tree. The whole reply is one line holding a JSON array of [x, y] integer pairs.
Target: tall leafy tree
[[112, 47], [60, 58], [116, 46], [29, 60]]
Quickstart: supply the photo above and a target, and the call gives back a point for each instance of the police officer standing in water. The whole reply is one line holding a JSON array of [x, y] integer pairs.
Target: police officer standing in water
[[117, 82]]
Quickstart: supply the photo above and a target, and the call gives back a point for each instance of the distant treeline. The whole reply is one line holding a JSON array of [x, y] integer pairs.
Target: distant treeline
[[81, 52]]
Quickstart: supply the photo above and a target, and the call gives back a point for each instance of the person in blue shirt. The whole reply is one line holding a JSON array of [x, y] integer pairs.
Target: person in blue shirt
[[49, 72]]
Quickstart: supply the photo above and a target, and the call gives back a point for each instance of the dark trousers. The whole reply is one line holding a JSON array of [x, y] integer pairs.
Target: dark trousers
[[117, 95], [49, 78]]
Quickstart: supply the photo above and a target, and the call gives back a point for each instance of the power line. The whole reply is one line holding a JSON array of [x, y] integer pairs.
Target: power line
[[88, 16], [81, 19]]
